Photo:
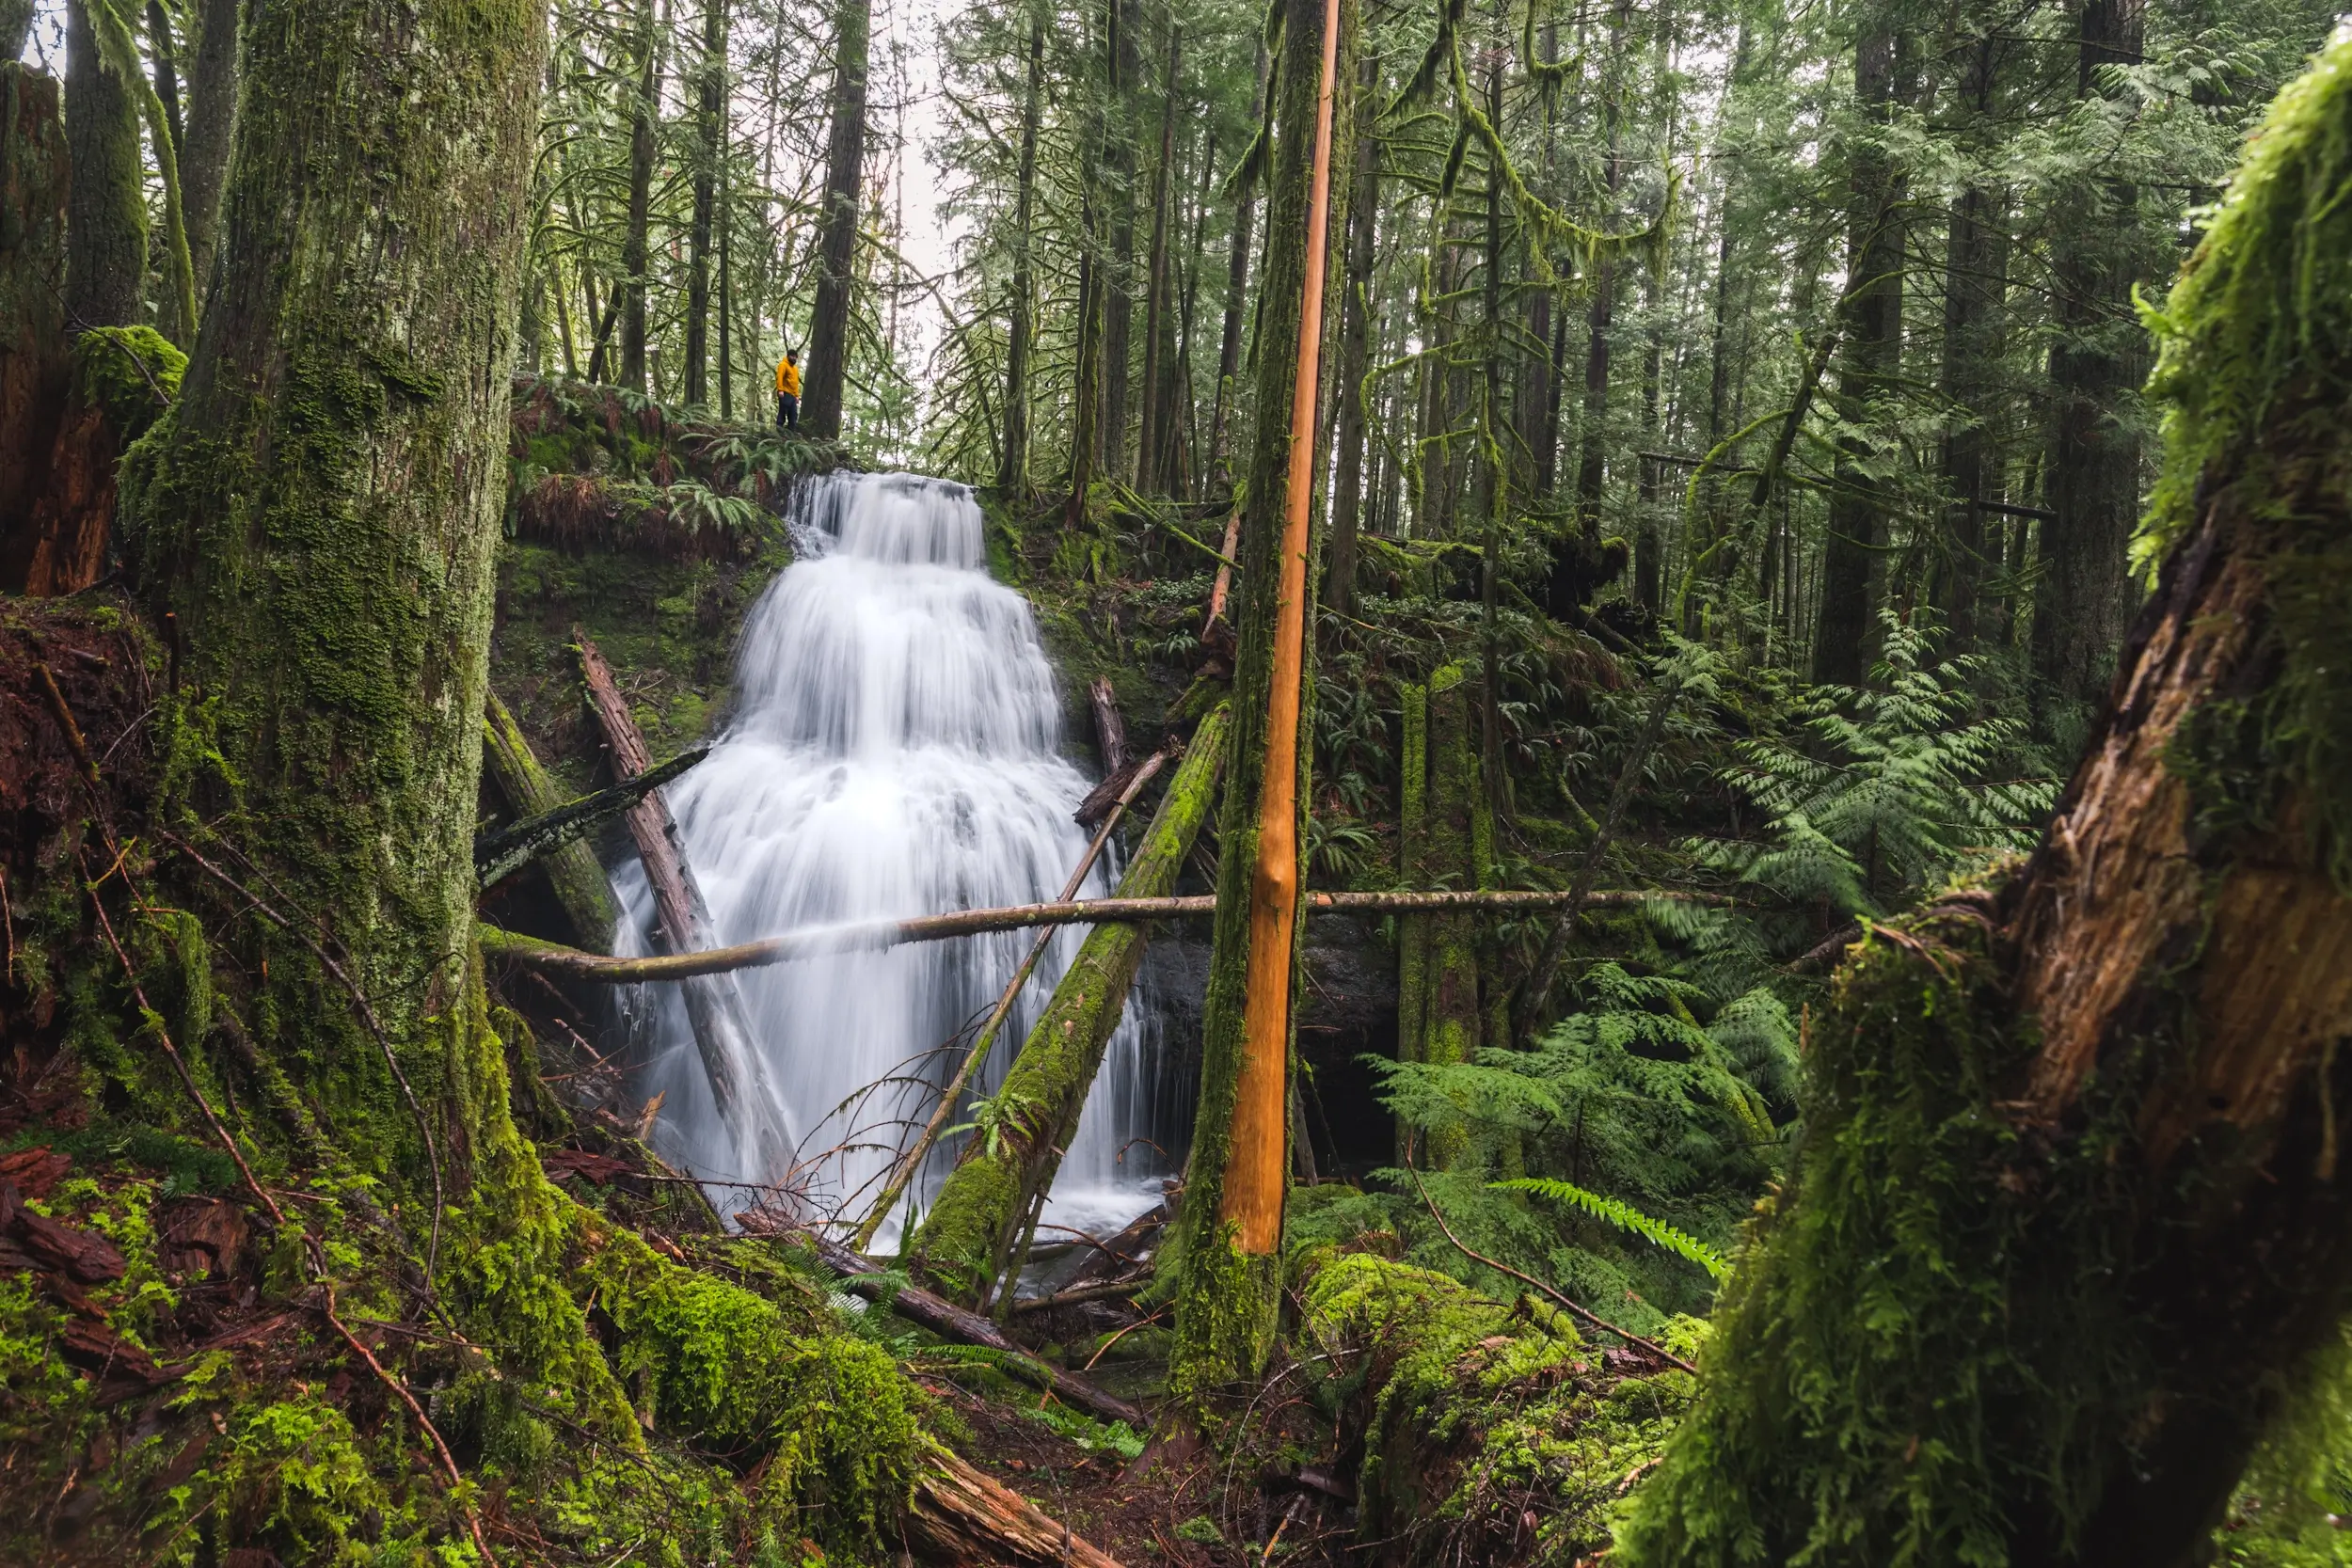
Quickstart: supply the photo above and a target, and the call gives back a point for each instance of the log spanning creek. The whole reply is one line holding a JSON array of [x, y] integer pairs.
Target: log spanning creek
[[896, 749]]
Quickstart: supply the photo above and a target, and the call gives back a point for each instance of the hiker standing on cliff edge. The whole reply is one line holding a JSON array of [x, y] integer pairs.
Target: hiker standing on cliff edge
[[789, 391]]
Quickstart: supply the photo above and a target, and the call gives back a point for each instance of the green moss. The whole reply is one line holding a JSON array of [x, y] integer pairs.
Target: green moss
[[2254, 369], [131, 372], [1478, 1416]]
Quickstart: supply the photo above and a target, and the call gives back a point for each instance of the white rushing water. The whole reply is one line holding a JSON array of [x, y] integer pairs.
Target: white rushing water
[[895, 752]]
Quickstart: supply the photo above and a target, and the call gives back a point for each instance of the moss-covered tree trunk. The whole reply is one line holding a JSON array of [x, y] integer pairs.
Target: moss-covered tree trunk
[[1012, 474], [975, 1222], [320, 509], [212, 119], [1226, 1297], [105, 273], [2070, 1218], [580, 883]]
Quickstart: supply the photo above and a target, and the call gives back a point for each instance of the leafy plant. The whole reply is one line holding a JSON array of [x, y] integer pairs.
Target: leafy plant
[[1624, 1216]]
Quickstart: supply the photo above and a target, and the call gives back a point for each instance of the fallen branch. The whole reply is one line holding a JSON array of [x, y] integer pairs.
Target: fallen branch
[[500, 853], [865, 936], [1115, 1290], [945, 1318], [961, 1513]]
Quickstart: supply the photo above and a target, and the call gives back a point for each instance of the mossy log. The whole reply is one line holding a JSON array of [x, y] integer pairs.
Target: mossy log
[[967, 1238], [2069, 1220], [961, 1513], [35, 364], [572, 870]]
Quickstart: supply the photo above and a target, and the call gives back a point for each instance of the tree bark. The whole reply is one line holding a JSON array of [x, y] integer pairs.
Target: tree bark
[[1012, 476], [1155, 298], [2096, 362], [967, 1238], [1872, 310], [36, 354], [321, 507], [1977, 258], [106, 235], [1236, 295], [1115, 277], [637, 240], [2067, 1221], [710, 147], [1364, 214], [212, 121], [836, 245]]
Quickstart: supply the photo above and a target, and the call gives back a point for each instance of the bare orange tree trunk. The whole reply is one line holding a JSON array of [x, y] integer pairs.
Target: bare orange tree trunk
[[1231, 1222]]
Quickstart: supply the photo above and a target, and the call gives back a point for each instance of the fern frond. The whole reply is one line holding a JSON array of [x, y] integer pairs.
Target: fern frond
[[1624, 1216]]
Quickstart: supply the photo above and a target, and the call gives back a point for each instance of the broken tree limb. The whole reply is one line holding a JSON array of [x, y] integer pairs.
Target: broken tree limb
[[960, 1513], [869, 935], [968, 1238], [945, 1318], [754, 1114], [902, 1173], [579, 882], [1110, 730], [503, 852]]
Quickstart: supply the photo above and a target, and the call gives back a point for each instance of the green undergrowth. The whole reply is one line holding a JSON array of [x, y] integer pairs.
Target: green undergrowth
[[1490, 1431]]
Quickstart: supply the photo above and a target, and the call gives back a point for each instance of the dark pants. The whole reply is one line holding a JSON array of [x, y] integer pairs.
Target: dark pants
[[787, 411]]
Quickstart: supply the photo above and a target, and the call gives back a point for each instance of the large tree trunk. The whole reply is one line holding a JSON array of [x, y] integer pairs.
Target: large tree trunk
[[637, 240], [106, 236], [710, 147], [1236, 295], [1977, 259], [1115, 277], [1872, 312], [2097, 360], [36, 357], [1156, 289], [1012, 475], [1228, 1267], [320, 509], [2069, 1219], [836, 243], [1363, 214], [212, 121], [967, 1238]]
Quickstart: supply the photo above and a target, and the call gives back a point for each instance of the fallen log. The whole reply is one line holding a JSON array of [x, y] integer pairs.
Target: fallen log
[[579, 882], [754, 1114], [962, 1514], [902, 1173], [944, 1317], [972, 1235], [503, 851], [869, 935]]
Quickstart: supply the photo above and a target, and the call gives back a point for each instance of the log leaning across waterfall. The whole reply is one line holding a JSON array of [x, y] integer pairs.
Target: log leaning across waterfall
[[739, 1078], [870, 935], [967, 1238], [572, 870]]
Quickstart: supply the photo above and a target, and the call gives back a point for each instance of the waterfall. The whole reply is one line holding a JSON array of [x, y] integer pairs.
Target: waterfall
[[894, 751]]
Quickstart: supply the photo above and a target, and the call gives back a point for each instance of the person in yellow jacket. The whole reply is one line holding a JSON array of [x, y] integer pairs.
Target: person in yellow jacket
[[789, 391]]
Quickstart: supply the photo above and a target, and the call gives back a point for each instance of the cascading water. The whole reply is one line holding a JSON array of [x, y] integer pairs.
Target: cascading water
[[895, 752]]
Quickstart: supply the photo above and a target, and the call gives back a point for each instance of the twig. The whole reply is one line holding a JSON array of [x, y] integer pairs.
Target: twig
[[367, 1016], [1103, 1349], [1460, 1245], [64, 715], [456, 1477]]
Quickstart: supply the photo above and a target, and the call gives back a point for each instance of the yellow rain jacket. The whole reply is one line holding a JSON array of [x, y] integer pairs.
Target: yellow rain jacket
[[788, 379]]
